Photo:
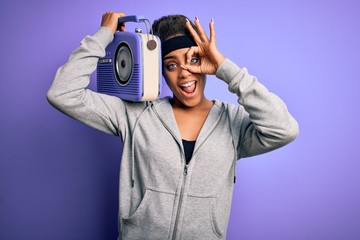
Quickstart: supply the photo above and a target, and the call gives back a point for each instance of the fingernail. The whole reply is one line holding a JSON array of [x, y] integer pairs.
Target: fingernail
[[212, 20], [196, 18], [182, 66], [187, 20]]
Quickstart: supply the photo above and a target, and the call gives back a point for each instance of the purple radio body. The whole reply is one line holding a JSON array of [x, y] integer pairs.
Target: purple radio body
[[131, 68]]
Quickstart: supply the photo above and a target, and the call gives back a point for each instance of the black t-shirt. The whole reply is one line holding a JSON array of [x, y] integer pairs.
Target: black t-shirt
[[189, 149]]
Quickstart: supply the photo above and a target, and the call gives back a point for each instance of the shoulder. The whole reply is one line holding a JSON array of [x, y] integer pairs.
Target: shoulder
[[161, 101], [140, 106], [229, 107], [234, 113]]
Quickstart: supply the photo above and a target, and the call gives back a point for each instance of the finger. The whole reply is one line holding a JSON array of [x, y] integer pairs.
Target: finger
[[121, 27], [201, 32], [183, 67], [193, 51], [119, 14], [116, 16], [191, 69], [212, 32], [190, 53], [110, 20], [193, 32]]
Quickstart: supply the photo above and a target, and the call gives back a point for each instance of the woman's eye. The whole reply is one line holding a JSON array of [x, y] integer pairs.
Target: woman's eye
[[194, 60], [171, 66]]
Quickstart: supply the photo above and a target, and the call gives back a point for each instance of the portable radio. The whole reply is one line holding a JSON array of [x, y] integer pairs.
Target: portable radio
[[131, 69]]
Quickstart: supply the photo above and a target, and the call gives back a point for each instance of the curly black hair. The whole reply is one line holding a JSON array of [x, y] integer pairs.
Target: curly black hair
[[170, 26]]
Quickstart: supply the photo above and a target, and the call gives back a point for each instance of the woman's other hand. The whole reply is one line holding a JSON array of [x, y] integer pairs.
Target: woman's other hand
[[110, 20]]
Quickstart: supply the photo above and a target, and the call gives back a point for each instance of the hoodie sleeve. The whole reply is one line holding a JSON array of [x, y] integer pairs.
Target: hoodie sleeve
[[68, 92], [266, 123]]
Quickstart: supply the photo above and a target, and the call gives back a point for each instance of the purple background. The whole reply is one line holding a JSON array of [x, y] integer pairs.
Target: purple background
[[58, 178]]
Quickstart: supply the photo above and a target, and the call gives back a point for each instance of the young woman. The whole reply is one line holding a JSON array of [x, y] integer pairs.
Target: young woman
[[179, 155]]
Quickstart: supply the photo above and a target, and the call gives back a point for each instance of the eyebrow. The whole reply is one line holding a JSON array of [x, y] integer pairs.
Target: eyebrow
[[169, 57]]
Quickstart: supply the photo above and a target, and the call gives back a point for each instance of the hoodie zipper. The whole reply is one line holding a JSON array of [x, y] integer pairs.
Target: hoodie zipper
[[185, 172]]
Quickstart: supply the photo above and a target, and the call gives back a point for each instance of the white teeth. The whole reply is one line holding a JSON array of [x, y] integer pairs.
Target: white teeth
[[188, 84]]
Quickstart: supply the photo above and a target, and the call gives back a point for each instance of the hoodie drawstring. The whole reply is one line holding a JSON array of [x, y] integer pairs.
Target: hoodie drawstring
[[233, 143], [148, 105]]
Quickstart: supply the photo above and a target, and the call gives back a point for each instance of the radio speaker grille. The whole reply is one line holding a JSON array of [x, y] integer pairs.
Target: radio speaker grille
[[110, 85]]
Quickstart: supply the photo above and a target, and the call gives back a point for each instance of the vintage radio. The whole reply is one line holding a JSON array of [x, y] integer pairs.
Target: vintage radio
[[131, 69]]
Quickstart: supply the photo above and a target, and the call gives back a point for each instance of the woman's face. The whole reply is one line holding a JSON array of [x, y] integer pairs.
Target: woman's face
[[188, 88]]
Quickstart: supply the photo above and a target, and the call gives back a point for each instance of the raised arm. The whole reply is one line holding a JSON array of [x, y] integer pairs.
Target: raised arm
[[266, 123], [69, 92]]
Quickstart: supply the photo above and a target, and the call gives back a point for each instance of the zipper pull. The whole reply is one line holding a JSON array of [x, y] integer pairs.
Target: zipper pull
[[185, 170]]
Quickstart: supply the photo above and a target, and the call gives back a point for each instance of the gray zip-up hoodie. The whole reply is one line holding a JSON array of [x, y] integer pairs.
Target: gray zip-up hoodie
[[160, 197]]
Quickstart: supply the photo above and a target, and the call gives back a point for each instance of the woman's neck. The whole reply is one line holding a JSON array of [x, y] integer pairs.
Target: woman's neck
[[203, 105]]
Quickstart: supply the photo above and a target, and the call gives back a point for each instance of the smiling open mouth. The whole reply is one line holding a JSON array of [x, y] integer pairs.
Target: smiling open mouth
[[188, 87]]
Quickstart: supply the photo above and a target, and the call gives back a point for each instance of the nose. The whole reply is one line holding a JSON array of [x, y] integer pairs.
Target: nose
[[184, 73]]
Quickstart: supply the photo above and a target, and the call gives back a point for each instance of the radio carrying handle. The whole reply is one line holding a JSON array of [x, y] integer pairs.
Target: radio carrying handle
[[151, 43], [131, 18]]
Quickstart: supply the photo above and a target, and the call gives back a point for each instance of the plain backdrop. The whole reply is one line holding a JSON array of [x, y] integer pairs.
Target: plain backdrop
[[59, 178]]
